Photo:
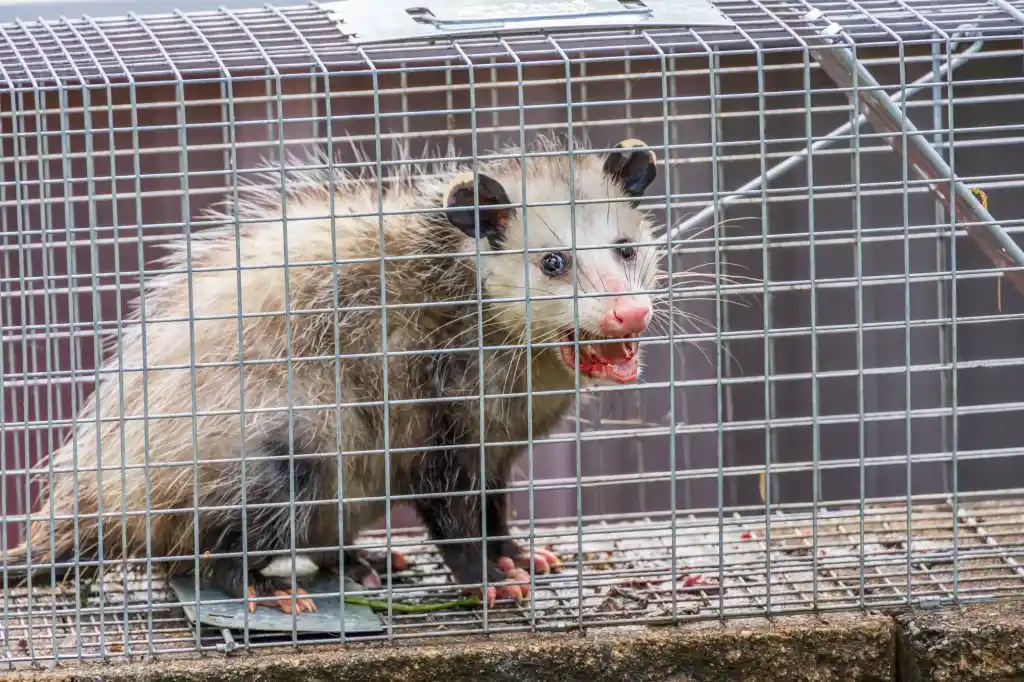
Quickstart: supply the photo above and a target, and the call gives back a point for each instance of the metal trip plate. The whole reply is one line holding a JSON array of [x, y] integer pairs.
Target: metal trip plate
[[397, 20], [359, 620]]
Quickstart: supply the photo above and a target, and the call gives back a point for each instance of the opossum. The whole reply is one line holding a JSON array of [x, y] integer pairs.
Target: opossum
[[180, 354]]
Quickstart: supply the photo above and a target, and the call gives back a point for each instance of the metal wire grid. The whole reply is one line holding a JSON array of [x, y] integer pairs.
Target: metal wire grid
[[693, 245], [769, 30], [864, 563], [237, 42], [774, 150]]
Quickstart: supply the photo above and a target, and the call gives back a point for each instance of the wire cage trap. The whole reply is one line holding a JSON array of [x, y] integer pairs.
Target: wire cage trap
[[829, 426]]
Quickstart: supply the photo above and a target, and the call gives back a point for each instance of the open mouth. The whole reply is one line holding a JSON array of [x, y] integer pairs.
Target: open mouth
[[615, 361]]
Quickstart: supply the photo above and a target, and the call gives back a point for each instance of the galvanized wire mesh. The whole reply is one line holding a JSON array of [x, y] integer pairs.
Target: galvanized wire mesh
[[823, 430], [625, 575]]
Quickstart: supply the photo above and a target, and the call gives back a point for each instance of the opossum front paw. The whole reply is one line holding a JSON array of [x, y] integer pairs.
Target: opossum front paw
[[515, 586], [543, 560], [303, 604]]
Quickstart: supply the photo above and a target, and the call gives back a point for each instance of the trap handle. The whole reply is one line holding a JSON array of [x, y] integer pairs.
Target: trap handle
[[548, 20], [390, 21]]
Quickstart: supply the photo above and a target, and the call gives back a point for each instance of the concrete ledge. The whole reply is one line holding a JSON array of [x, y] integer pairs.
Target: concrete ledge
[[963, 645], [854, 648], [970, 644]]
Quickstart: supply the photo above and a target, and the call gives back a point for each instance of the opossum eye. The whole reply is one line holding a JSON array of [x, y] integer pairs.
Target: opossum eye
[[554, 264], [634, 171], [626, 250]]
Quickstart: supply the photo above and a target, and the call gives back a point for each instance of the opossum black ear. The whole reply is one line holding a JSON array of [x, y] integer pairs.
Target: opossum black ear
[[459, 202], [634, 169]]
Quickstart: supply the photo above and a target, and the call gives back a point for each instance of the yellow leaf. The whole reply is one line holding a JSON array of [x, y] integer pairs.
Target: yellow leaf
[[982, 197]]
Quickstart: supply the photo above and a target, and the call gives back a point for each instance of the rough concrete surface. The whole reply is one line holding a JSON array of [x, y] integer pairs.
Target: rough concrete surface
[[797, 649], [968, 644]]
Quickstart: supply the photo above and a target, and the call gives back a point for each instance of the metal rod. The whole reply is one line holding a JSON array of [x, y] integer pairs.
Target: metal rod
[[841, 65], [755, 184], [1010, 9]]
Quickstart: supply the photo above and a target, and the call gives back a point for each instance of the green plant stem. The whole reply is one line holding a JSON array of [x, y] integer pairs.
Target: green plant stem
[[399, 607]]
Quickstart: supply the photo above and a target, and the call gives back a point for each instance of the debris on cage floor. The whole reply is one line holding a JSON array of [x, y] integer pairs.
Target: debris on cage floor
[[625, 576]]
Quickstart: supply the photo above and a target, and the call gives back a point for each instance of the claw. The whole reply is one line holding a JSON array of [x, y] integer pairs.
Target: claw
[[554, 563], [302, 605], [252, 595], [492, 596], [543, 561], [398, 561], [514, 575], [506, 565], [517, 592], [516, 588], [504, 591]]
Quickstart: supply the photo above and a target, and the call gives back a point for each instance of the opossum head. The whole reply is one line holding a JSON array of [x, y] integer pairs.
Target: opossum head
[[579, 251]]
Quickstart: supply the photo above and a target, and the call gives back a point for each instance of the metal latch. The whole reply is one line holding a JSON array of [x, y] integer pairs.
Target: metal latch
[[395, 20]]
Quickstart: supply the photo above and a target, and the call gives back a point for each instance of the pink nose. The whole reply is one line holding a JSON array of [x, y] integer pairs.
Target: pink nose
[[625, 319]]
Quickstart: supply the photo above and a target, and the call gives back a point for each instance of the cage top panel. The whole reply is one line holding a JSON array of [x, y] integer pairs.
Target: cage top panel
[[396, 21], [54, 49]]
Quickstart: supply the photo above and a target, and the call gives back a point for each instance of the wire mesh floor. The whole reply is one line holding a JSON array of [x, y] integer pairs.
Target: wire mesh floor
[[624, 575]]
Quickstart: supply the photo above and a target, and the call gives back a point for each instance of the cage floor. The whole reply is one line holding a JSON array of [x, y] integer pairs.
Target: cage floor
[[627, 572]]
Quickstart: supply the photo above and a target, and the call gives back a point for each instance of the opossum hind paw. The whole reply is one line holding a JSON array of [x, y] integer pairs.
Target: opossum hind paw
[[281, 598]]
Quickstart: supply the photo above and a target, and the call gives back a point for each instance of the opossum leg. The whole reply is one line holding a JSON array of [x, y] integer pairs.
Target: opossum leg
[[267, 482], [507, 553], [458, 518], [226, 574]]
